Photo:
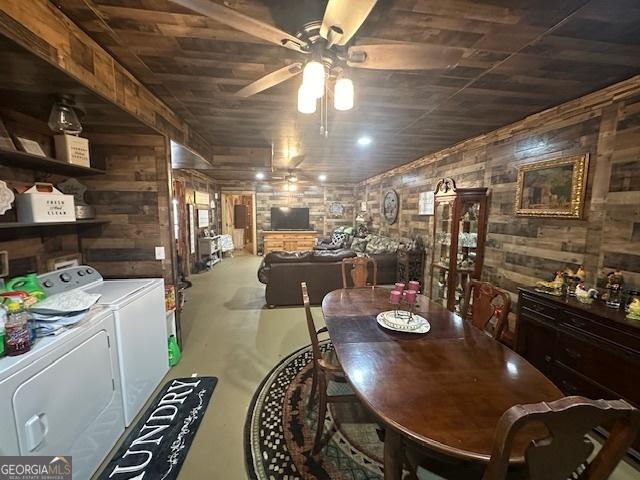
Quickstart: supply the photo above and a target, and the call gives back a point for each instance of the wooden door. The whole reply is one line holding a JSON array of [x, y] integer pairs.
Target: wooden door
[[227, 214]]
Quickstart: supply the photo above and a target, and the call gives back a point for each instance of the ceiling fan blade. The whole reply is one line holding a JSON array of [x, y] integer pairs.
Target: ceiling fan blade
[[403, 56], [342, 19], [296, 161], [244, 23], [270, 80]]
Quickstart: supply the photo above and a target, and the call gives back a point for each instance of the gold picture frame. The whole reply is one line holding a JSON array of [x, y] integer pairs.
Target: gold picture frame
[[552, 188]]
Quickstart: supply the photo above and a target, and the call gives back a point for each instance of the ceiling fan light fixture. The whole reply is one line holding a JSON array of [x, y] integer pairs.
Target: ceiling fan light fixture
[[343, 94], [306, 101], [313, 78]]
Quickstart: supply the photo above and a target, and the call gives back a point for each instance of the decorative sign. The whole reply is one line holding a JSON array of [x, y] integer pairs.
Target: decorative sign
[[72, 149], [202, 198], [5, 139], [72, 186], [30, 146], [203, 218], [336, 210], [6, 197], [426, 201]]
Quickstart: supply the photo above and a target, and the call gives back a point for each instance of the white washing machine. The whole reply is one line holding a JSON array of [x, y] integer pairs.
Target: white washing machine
[[140, 323], [63, 397]]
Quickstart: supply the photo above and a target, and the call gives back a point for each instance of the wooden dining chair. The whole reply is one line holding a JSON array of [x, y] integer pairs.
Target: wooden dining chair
[[358, 269], [564, 453], [483, 305], [328, 379]]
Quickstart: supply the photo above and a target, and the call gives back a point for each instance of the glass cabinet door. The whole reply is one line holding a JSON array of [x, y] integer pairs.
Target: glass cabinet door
[[467, 248], [443, 218]]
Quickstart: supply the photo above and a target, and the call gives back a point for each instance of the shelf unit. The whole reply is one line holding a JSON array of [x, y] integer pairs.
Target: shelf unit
[[459, 228], [45, 164], [19, 225]]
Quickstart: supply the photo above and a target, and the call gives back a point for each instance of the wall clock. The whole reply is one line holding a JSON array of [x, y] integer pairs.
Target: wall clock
[[390, 206]]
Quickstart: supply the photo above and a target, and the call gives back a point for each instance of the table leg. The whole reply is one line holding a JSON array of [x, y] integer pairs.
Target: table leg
[[393, 454]]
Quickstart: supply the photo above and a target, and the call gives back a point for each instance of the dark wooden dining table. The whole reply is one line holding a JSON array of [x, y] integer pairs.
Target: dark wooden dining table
[[443, 391]]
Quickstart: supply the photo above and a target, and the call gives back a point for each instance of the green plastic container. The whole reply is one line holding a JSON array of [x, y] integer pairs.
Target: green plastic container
[[174, 351]]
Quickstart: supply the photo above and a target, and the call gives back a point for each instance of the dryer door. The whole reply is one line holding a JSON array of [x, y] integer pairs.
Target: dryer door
[[61, 403]]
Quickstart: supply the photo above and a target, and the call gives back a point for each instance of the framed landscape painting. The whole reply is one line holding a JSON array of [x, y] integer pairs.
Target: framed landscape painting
[[552, 188]]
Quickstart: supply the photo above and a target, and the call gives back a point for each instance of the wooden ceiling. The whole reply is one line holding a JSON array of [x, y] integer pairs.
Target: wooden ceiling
[[521, 56]]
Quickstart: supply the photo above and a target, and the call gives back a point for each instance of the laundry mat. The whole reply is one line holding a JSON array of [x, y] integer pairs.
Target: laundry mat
[[158, 444]]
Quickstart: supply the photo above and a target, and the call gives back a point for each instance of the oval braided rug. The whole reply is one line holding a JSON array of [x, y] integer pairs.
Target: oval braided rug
[[279, 430]]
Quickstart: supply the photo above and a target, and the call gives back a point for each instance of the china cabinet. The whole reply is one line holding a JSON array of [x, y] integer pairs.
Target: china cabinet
[[459, 227]]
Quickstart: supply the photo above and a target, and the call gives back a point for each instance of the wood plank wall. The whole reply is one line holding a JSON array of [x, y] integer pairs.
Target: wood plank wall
[[194, 180], [521, 250], [316, 197], [134, 196]]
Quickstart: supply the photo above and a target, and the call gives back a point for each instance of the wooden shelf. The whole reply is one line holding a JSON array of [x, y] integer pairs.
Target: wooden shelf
[[18, 225], [46, 164]]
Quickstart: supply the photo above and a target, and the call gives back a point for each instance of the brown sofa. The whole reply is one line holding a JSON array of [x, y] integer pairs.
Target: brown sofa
[[282, 272]]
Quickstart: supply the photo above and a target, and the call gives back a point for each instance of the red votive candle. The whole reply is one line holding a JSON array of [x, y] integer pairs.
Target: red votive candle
[[414, 285], [410, 296], [394, 298], [399, 287]]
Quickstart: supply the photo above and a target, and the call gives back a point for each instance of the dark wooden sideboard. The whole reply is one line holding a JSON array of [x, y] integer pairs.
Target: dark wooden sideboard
[[588, 350]]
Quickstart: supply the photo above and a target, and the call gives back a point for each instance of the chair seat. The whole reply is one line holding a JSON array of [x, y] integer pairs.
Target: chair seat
[[331, 358], [337, 386]]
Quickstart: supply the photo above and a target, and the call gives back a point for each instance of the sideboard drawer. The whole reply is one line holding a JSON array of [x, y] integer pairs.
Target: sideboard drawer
[[614, 369], [596, 328], [539, 309], [572, 383]]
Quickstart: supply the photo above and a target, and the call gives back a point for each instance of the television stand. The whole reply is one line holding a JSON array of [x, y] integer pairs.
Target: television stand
[[289, 240]]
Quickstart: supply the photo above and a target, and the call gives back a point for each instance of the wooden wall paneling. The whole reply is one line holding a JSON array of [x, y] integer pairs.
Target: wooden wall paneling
[[522, 250], [315, 197], [134, 196]]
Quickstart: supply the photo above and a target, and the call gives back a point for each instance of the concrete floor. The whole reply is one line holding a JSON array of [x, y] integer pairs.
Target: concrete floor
[[230, 334]]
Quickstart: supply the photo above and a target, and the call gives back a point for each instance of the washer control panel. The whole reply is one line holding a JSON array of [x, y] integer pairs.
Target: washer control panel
[[68, 278]]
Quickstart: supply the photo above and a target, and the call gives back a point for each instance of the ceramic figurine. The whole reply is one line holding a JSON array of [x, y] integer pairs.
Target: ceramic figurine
[[634, 309], [615, 280], [554, 287], [585, 296]]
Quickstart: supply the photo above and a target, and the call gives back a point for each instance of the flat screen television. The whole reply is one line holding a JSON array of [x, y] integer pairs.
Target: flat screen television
[[285, 218]]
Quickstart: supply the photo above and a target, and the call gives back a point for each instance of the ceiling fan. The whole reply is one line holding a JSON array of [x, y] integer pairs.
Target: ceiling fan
[[291, 178], [327, 43]]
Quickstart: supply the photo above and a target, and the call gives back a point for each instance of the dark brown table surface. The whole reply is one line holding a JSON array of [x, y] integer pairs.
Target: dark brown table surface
[[444, 390]]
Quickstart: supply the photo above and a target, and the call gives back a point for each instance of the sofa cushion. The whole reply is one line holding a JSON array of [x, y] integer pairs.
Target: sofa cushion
[[339, 238], [287, 257], [327, 256], [359, 244], [379, 244]]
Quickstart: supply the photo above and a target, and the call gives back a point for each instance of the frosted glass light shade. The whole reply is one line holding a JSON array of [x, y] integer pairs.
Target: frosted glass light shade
[[313, 78], [306, 101], [343, 94]]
